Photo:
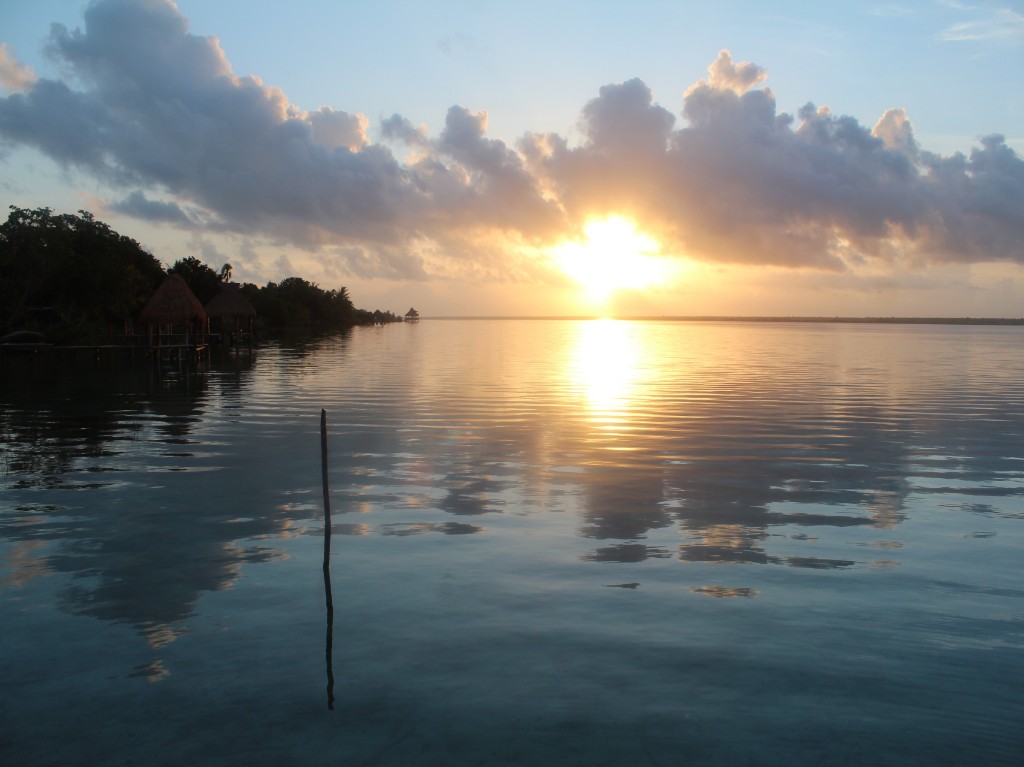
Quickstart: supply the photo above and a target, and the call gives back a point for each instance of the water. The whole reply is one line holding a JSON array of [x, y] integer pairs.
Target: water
[[573, 543]]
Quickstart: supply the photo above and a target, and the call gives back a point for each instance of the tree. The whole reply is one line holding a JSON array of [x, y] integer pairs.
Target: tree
[[295, 302], [70, 275], [76, 279], [202, 279]]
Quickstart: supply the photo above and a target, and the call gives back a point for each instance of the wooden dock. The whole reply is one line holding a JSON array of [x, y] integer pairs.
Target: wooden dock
[[100, 352]]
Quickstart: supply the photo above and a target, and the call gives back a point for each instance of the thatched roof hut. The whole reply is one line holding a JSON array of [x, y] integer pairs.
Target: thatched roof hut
[[230, 310], [174, 309], [229, 302], [173, 303]]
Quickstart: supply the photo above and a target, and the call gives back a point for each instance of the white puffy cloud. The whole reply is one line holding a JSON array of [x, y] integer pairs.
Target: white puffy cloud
[[896, 132], [738, 78]]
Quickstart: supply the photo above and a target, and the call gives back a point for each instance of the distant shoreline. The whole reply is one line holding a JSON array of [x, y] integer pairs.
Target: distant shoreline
[[710, 318]]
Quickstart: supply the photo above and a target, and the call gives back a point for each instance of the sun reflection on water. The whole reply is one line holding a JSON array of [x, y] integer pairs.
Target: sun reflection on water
[[605, 367]]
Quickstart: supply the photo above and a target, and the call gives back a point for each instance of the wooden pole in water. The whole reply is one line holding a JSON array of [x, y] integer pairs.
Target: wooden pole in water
[[328, 597], [327, 498]]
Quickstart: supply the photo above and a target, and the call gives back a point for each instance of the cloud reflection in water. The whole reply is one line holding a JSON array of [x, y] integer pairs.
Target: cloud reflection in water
[[642, 444]]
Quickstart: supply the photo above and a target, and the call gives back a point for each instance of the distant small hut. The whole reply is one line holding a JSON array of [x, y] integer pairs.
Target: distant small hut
[[230, 313], [412, 315], [174, 313]]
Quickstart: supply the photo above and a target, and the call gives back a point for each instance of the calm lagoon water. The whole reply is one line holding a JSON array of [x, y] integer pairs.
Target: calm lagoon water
[[554, 542]]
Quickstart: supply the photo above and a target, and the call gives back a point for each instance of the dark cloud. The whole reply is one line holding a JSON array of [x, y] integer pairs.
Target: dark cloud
[[976, 204], [138, 205], [70, 127], [494, 188], [156, 111], [399, 128], [624, 120]]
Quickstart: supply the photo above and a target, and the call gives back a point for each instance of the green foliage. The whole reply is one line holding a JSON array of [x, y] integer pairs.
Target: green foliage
[[70, 275]]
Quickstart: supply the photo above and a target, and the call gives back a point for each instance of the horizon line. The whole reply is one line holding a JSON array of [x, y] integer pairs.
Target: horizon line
[[744, 318]]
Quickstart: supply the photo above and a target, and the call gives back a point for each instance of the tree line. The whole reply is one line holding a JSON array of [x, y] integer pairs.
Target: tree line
[[73, 278]]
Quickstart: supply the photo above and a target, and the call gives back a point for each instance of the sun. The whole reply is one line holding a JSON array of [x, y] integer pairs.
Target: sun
[[614, 256]]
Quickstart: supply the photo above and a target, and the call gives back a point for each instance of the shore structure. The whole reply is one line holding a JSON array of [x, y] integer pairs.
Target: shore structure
[[174, 319], [174, 327], [231, 315]]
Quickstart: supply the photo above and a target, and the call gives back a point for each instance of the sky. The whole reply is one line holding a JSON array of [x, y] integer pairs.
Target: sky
[[541, 158]]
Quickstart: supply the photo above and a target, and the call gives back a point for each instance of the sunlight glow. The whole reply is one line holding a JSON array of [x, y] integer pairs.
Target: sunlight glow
[[605, 366], [615, 256]]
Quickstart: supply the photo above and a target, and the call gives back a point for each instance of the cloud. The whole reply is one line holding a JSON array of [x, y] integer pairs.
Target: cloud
[[284, 265], [338, 129], [159, 108], [138, 205], [156, 112], [399, 128], [975, 204], [988, 24], [625, 119], [738, 78], [492, 188], [13, 75], [896, 132], [741, 182], [208, 251]]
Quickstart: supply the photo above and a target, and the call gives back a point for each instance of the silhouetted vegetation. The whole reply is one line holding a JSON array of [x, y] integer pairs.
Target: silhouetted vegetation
[[73, 278], [297, 303], [201, 278], [70, 276]]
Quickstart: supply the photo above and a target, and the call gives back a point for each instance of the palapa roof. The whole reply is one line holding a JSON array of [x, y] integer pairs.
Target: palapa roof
[[229, 302], [173, 302]]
